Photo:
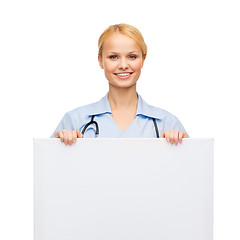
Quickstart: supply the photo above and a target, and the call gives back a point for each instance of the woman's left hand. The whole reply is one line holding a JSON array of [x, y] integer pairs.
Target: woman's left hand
[[174, 136]]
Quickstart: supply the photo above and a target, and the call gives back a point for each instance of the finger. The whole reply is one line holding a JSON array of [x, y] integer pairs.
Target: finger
[[70, 137], [56, 134], [185, 135], [61, 136], [167, 135], [65, 136], [171, 136], [79, 134], [74, 136], [163, 135], [175, 136], [180, 137]]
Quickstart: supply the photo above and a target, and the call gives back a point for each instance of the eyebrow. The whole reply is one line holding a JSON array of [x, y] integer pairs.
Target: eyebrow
[[128, 52]]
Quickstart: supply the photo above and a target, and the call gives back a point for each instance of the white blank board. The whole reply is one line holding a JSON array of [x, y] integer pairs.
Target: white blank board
[[123, 189]]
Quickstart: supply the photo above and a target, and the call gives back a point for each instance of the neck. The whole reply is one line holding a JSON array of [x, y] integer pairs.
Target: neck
[[125, 98]]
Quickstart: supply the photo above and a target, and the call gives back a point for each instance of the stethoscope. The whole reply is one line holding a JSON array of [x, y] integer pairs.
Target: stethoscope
[[97, 128]]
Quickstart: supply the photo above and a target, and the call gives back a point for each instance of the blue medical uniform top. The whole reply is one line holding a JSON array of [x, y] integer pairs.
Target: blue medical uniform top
[[141, 127]]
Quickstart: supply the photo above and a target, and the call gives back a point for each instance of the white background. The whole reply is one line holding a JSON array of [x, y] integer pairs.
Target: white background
[[48, 66]]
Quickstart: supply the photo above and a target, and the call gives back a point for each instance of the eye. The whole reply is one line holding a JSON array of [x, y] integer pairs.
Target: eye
[[132, 56], [113, 57]]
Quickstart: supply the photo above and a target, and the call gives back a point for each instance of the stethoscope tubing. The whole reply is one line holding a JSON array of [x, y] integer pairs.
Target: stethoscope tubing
[[97, 128], [88, 124]]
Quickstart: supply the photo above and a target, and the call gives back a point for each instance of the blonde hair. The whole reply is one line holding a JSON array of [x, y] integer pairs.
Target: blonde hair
[[125, 29]]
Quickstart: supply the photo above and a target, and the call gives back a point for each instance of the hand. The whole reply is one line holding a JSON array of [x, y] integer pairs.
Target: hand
[[68, 136], [174, 136]]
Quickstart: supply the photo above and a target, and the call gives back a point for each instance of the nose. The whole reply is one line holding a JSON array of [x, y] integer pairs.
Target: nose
[[123, 64]]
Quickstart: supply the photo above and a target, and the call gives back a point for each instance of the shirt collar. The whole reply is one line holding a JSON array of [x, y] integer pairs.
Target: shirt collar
[[100, 107], [147, 110], [103, 106]]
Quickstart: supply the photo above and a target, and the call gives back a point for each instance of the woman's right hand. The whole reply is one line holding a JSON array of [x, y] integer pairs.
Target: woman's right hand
[[68, 136]]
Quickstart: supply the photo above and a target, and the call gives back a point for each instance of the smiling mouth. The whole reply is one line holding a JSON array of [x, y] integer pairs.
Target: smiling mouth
[[123, 74]]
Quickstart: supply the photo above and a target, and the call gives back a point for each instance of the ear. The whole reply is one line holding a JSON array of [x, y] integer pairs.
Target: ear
[[100, 62], [143, 60]]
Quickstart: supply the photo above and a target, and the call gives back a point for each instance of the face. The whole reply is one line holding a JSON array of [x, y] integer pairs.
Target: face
[[121, 60]]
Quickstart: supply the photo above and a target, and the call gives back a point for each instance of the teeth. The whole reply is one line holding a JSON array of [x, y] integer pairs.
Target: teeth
[[123, 74]]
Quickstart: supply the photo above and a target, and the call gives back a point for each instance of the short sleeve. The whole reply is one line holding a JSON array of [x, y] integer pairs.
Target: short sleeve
[[65, 123], [172, 123]]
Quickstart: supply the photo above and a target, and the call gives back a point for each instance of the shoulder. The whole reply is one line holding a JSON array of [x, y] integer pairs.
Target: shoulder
[[168, 120], [78, 117], [153, 111], [83, 112]]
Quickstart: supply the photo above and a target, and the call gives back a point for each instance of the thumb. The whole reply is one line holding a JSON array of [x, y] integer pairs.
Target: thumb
[[79, 134], [163, 135], [56, 134], [185, 135]]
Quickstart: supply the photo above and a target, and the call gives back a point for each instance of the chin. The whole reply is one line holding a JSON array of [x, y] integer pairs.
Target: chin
[[122, 85]]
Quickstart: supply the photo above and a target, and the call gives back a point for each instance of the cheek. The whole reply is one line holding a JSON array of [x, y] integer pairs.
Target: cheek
[[137, 66], [109, 66]]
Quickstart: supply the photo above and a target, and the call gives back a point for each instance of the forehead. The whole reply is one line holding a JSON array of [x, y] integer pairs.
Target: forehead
[[118, 42]]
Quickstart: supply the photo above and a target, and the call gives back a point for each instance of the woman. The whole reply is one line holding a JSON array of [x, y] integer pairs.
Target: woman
[[122, 112]]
